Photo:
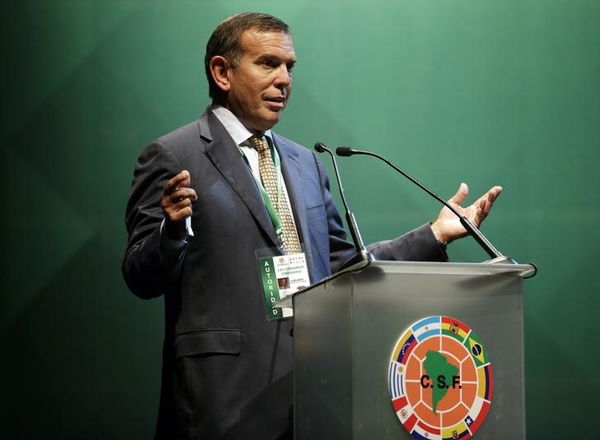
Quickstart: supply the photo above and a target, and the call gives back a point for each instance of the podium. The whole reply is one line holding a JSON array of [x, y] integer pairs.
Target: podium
[[346, 328]]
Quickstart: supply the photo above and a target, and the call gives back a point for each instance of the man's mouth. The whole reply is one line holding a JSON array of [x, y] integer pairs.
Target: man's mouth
[[277, 99], [275, 103]]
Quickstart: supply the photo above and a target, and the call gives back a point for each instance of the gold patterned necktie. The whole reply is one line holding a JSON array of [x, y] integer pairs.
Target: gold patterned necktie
[[268, 176]]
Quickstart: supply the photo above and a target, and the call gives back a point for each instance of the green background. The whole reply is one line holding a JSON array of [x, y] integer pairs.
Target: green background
[[488, 92]]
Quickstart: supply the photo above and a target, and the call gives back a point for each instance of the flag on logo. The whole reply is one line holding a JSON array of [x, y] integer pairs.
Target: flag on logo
[[395, 380], [459, 431], [486, 382], [426, 431], [404, 347], [477, 414], [476, 349], [427, 327], [410, 422], [454, 328]]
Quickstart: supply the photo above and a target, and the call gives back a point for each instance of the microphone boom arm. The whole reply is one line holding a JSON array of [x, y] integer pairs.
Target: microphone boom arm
[[470, 227]]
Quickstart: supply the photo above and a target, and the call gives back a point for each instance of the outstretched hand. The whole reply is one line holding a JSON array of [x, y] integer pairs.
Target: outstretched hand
[[447, 226]]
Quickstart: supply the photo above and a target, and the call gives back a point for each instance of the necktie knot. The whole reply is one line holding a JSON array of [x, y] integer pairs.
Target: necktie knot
[[258, 143]]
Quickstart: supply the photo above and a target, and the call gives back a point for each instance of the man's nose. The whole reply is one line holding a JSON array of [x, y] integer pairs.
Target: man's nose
[[284, 77]]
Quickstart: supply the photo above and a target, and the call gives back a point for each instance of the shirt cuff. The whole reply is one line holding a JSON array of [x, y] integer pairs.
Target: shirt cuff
[[171, 250]]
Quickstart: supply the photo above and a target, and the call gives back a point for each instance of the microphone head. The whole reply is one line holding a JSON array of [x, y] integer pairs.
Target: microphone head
[[344, 151], [320, 147]]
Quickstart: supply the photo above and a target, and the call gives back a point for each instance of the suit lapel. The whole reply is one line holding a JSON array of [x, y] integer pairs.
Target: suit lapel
[[293, 176], [226, 157]]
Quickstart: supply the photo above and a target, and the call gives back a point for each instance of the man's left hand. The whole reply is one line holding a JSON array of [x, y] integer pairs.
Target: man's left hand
[[447, 226]]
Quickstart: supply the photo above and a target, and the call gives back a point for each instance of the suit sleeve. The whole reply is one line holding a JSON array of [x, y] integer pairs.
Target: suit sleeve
[[417, 245], [146, 272]]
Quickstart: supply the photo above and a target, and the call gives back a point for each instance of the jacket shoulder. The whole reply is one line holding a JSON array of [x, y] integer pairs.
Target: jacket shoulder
[[287, 145], [185, 135]]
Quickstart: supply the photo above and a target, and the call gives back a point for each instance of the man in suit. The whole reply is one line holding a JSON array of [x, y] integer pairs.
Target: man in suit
[[199, 216]]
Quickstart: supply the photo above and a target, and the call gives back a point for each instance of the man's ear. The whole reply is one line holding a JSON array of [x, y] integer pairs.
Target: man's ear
[[219, 69]]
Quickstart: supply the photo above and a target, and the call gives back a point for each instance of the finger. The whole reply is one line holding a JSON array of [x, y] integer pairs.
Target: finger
[[488, 199], [181, 202], [492, 193], [178, 211], [186, 179], [484, 208], [461, 194], [180, 180], [183, 194], [496, 191], [181, 214]]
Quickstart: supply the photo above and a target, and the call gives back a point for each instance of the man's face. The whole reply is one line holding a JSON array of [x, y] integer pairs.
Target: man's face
[[261, 84]]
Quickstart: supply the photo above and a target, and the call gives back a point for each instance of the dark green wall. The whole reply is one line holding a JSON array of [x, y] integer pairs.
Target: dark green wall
[[489, 92]]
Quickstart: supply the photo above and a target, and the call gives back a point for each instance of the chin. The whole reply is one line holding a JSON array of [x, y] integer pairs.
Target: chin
[[269, 122]]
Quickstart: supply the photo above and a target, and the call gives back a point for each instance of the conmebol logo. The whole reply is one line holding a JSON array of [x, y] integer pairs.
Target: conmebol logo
[[440, 379]]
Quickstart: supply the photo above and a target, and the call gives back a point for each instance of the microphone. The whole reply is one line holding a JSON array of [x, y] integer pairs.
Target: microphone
[[496, 256], [361, 251]]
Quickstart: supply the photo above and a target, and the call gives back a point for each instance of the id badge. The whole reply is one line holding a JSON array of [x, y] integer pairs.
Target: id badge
[[282, 276]]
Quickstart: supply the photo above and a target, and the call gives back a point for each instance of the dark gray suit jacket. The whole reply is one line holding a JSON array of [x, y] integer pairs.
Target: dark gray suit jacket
[[226, 369]]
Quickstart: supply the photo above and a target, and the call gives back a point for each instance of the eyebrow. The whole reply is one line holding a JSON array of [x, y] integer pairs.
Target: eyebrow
[[272, 57]]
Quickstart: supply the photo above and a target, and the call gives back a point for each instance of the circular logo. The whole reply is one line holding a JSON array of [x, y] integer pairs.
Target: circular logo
[[440, 379]]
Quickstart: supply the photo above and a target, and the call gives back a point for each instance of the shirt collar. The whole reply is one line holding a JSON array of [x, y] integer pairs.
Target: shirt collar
[[238, 132]]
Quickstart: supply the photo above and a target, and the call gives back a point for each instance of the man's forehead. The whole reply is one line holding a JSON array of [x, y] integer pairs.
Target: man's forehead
[[256, 41]]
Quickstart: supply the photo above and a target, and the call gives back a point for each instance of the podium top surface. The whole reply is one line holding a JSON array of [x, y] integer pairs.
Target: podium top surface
[[423, 267], [484, 268]]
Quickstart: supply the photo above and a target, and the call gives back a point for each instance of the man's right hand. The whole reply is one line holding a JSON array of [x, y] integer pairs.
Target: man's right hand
[[176, 203]]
